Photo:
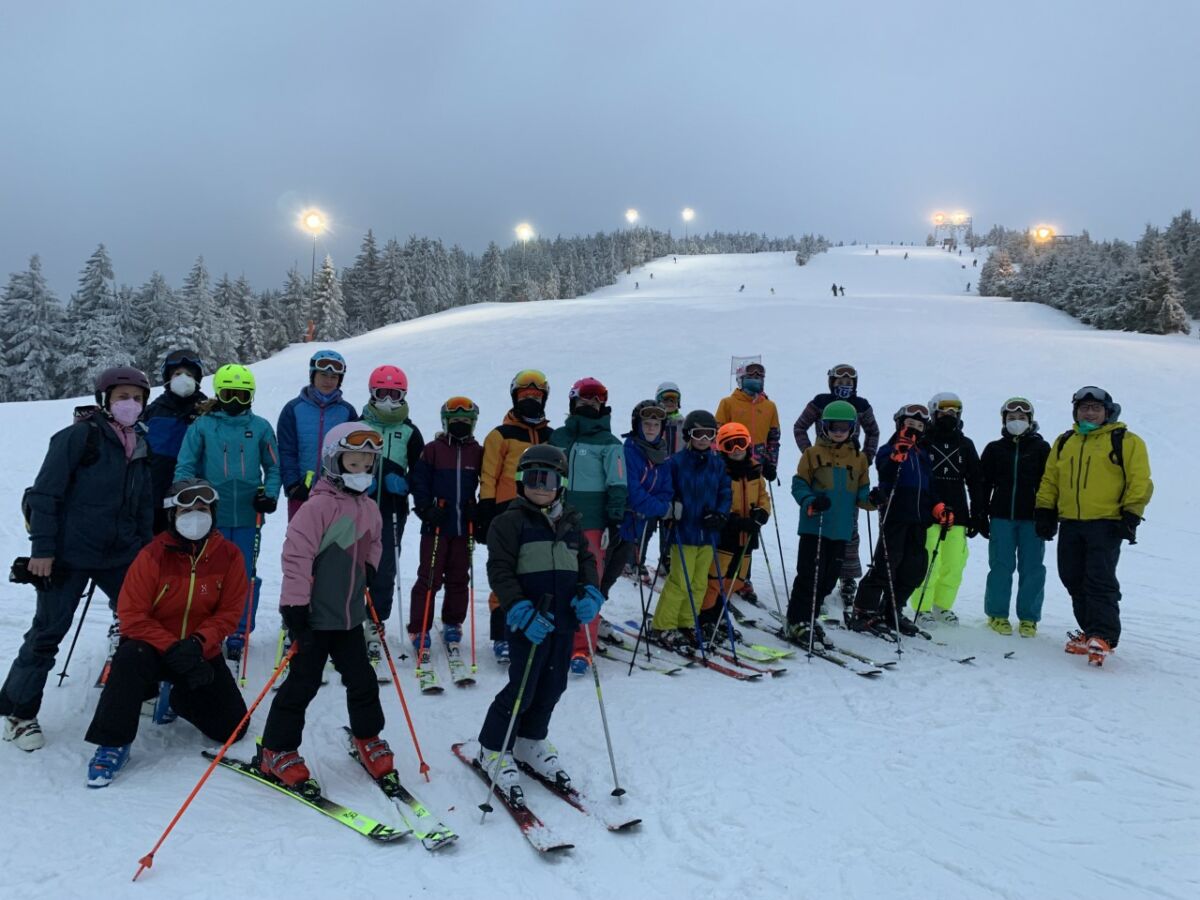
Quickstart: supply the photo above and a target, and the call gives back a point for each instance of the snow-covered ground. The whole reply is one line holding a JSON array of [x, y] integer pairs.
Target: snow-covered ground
[[1034, 776]]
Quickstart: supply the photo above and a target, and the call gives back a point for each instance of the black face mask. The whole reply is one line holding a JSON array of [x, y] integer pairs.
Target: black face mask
[[530, 408], [945, 424], [459, 430], [588, 412], [233, 408]]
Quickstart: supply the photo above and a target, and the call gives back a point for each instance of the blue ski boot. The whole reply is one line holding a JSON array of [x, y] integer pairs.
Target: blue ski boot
[[106, 763]]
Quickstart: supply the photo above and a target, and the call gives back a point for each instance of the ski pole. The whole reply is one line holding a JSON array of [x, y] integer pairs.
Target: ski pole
[[929, 572], [148, 860], [687, 580], [399, 594], [778, 539], [486, 805], [471, 562], [258, 524], [641, 552], [724, 598], [423, 636], [617, 790], [396, 681], [86, 603], [774, 591], [887, 567], [812, 624], [642, 628]]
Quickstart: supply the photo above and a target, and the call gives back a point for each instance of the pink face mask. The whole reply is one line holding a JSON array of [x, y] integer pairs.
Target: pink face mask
[[126, 411]]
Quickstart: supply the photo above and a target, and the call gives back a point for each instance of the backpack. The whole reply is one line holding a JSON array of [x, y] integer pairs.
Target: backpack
[[91, 453], [1116, 455]]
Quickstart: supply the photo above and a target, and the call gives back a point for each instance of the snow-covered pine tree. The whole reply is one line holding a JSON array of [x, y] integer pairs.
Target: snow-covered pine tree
[[224, 336], [294, 307], [197, 304], [272, 312], [360, 285], [328, 313], [168, 323], [1189, 280], [247, 318], [1156, 304], [996, 275], [463, 277], [31, 342], [92, 341], [395, 290], [491, 280]]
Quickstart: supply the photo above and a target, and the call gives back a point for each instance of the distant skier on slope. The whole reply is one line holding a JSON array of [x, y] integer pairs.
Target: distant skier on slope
[[834, 289]]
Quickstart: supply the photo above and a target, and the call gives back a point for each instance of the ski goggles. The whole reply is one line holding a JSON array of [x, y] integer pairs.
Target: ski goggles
[[364, 439], [669, 397], [593, 392], [702, 433], [235, 395], [191, 496], [531, 378], [1017, 405], [330, 365], [460, 408], [732, 443], [843, 371], [541, 479], [395, 394], [652, 412], [954, 407], [913, 411], [1091, 392], [524, 393], [755, 369], [837, 425]]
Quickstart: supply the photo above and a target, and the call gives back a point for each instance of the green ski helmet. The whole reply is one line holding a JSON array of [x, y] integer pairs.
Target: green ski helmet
[[838, 411]]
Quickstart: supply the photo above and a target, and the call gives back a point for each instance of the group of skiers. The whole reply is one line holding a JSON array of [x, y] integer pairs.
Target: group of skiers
[[161, 505]]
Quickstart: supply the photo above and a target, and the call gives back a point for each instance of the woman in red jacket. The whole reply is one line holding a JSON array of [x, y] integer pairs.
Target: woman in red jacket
[[183, 595]]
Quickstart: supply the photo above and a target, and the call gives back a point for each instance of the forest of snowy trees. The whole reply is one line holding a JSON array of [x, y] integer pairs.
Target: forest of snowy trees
[[49, 350], [1151, 286]]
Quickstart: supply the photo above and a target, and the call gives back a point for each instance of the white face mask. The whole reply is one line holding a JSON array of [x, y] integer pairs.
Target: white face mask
[[387, 404], [1016, 427], [194, 524], [358, 482], [183, 385]]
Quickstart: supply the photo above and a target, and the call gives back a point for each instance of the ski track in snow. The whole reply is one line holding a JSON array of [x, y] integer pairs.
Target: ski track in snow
[[1010, 778]]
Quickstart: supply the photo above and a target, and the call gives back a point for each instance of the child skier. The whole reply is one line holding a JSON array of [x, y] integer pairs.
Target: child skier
[[167, 420], [843, 385], [181, 598], [545, 576], [332, 548], [908, 504], [596, 487], [387, 413], [444, 481], [524, 426], [956, 481], [1010, 471], [831, 484], [651, 495], [703, 490], [668, 397], [235, 451], [304, 422], [750, 510]]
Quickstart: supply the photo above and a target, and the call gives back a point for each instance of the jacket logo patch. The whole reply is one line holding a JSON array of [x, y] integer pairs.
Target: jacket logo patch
[[249, 434], [203, 589]]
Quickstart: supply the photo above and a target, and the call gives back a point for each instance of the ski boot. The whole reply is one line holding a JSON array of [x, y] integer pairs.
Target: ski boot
[[1098, 650], [945, 616], [542, 757], [604, 632], [285, 766], [25, 733], [847, 591], [746, 592], [500, 650], [114, 636], [106, 763], [452, 634], [1000, 626], [1028, 629], [580, 664], [374, 639], [1077, 643], [501, 767], [376, 756], [924, 619], [234, 645], [907, 627]]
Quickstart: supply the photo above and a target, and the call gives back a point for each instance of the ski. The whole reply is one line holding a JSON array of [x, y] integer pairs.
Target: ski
[[622, 655], [459, 673], [535, 830], [432, 834], [692, 655], [314, 799], [580, 801], [426, 674], [740, 662], [102, 678], [834, 657], [657, 654]]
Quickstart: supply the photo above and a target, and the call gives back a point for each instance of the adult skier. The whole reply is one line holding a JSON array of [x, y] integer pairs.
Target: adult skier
[[168, 418]]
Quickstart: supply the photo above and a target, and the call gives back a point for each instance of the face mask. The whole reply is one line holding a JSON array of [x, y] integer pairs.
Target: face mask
[[459, 430], [588, 412], [530, 409], [1016, 427], [183, 385], [752, 385], [1087, 427], [193, 525], [126, 411], [357, 482], [233, 408], [843, 391], [387, 404]]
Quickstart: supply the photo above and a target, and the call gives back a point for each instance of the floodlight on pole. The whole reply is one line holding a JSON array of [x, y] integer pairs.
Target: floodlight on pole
[[631, 216], [1042, 233], [688, 215], [959, 218], [939, 218], [315, 223]]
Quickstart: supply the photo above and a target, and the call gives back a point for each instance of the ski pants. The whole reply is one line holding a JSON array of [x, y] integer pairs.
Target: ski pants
[[549, 663], [733, 581], [620, 553], [851, 563], [21, 695], [1088, 552], [943, 578], [1015, 547], [580, 646], [243, 537], [689, 574], [383, 587], [900, 551], [449, 567], [819, 559], [137, 670], [348, 650]]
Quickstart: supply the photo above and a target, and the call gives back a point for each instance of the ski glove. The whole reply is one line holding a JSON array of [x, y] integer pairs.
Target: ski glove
[[186, 659], [713, 521], [1129, 524], [523, 617], [876, 498], [395, 484], [943, 514], [371, 573], [1045, 523], [769, 471], [983, 526], [674, 511], [819, 504], [587, 606], [296, 621], [759, 515], [484, 512], [264, 504], [432, 515], [297, 492]]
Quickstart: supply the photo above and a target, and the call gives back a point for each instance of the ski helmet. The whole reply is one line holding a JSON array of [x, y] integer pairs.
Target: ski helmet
[[645, 409], [186, 359], [232, 377], [329, 361], [348, 436], [699, 418], [733, 436], [838, 411], [459, 408], [117, 376], [388, 377], [917, 411], [750, 369], [668, 387], [1016, 404], [185, 494], [588, 389], [542, 458], [1112, 411], [843, 370], [529, 378], [945, 403]]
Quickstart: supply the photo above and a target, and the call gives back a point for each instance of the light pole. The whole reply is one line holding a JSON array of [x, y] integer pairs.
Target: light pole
[[314, 222], [631, 216], [688, 215], [524, 233], [1043, 234]]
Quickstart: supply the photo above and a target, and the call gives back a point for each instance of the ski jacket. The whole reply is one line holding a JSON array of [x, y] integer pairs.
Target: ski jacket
[[167, 420], [402, 446], [1084, 481], [673, 433], [759, 415], [909, 486], [841, 473], [596, 486], [175, 589], [868, 427], [650, 489], [330, 542], [702, 485], [302, 426], [748, 489], [955, 470], [236, 455], [91, 507], [447, 470], [1010, 472], [502, 449], [531, 557]]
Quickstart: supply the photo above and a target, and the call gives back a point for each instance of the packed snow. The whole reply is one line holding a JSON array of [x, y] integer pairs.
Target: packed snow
[[1029, 776]]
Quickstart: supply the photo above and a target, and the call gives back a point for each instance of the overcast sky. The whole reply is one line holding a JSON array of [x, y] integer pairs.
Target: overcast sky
[[168, 130]]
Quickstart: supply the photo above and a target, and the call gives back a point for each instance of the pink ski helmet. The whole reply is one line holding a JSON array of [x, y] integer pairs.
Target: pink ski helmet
[[388, 377]]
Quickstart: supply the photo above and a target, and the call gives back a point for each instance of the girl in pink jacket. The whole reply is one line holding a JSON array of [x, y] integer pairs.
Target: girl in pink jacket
[[330, 555]]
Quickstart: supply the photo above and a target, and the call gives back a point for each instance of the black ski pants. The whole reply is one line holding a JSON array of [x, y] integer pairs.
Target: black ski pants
[[808, 559], [348, 650], [137, 669], [547, 681], [900, 551], [1088, 552]]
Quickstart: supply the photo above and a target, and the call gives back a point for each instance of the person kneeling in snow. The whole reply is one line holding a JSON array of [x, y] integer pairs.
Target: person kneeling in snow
[[181, 598]]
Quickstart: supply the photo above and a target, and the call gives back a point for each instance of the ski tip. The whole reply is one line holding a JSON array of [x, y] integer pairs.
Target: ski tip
[[965, 660], [1010, 654], [870, 673]]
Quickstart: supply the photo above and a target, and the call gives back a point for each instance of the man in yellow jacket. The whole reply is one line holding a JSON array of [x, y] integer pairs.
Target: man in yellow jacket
[[1095, 486]]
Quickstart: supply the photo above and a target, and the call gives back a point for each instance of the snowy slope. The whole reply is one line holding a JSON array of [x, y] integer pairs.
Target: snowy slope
[[1026, 777]]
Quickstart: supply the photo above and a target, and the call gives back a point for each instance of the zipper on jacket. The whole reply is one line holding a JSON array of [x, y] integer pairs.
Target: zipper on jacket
[[458, 488], [1079, 475], [1016, 456], [165, 588], [187, 609]]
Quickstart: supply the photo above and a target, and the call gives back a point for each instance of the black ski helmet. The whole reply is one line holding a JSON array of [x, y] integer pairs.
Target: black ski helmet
[[543, 456], [186, 359], [918, 411], [698, 418], [1112, 411], [117, 376], [843, 370]]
